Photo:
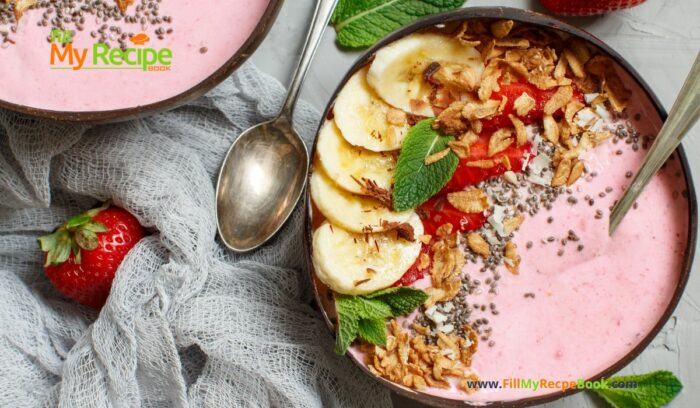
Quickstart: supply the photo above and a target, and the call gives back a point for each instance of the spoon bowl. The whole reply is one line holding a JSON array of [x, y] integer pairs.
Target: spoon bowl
[[265, 169], [262, 178]]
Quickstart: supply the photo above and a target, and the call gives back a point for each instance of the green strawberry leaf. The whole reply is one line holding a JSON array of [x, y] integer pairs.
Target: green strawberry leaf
[[373, 331], [361, 23], [95, 226], [652, 390], [402, 299], [77, 221], [414, 181]]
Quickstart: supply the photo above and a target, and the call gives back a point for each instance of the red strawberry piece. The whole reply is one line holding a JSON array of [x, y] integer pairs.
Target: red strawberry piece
[[413, 273], [437, 212], [83, 254], [587, 7], [466, 175], [512, 91]]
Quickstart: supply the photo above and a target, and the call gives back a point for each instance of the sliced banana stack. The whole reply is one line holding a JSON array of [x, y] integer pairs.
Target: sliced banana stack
[[350, 211], [364, 119], [396, 73], [355, 264], [346, 164]]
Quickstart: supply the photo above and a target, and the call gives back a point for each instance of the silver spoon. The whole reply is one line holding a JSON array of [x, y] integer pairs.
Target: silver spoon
[[684, 113], [265, 169]]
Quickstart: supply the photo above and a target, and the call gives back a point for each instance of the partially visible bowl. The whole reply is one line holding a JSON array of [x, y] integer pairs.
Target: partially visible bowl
[[201, 57], [651, 116]]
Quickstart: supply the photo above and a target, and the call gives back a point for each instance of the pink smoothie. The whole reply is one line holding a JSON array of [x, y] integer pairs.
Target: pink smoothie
[[591, 306], [220, 28]]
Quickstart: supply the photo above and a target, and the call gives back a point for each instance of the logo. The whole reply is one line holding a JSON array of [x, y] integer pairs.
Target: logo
[[64, 56]]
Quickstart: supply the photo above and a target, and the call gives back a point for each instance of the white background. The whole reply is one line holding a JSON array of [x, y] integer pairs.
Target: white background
[[660, 38]]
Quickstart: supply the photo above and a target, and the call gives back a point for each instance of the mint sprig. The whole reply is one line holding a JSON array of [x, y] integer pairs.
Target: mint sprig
[[652, 390], [365, 316], [361, 23], [414, 181]]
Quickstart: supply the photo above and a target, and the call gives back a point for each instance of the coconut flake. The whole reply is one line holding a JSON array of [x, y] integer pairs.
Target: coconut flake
[[586, 118], [539, 169], [540, 163], [510, 177], [447, 328], [490, 237], [447, 307], [496, 220], [602, 112], [438, 318], [590, 97]]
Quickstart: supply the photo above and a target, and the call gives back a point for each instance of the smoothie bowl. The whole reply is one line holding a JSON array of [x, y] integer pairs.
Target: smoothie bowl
[[108, 60], [476, 156]]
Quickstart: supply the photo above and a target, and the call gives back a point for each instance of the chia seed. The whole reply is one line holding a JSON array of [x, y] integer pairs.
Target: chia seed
[[71, 15]]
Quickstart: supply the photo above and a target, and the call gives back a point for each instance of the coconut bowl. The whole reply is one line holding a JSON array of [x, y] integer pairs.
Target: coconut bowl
[[238, 56], [653, 117]]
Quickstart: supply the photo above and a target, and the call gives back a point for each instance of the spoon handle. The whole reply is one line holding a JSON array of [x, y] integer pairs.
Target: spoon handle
[[684, 114], [322, 15]]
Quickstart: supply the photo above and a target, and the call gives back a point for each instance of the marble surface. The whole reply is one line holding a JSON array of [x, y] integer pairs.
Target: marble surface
[[660, 38]]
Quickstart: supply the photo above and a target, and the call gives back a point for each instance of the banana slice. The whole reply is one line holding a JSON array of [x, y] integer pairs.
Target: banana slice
[[362, 117], [396, 73], [350, 211], [356, 264], [345, 163]]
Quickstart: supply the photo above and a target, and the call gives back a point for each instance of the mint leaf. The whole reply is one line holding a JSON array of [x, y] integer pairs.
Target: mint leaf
[[365, 316], [361, 23], [366, 308], [352, 309], [653, 390], [373, 331], [414, 181], [348, 325], [402, 299]]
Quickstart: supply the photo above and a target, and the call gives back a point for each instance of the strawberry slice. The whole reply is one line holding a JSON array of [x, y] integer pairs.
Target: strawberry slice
[[413, 273], [466, 175], [437, 211], [512, 91]]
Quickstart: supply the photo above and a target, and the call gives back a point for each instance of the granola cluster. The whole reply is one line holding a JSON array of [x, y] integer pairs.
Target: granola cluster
[[448, 260], [410, 361], [521, 53]]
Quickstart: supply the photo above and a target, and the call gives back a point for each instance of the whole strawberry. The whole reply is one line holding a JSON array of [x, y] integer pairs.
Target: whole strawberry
[[83, 254], [587, 7]]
